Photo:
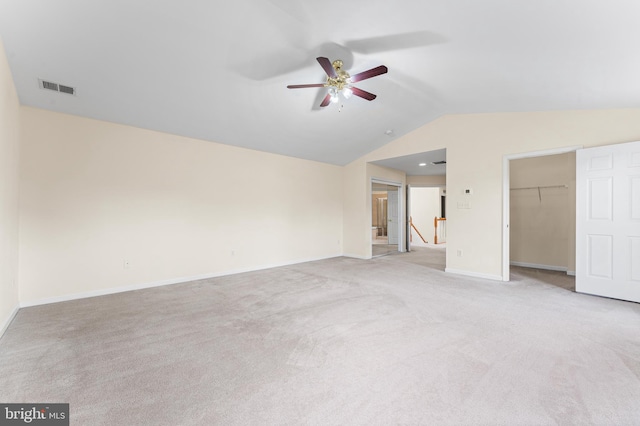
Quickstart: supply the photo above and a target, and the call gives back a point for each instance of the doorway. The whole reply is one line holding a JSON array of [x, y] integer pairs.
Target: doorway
[[427, 204], [385, 218], [545, 190]]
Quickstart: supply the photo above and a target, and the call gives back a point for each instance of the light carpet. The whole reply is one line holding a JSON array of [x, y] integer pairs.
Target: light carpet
[[393, 340]]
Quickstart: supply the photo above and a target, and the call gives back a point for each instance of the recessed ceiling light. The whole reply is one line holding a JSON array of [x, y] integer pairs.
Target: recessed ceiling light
[[422, 164]]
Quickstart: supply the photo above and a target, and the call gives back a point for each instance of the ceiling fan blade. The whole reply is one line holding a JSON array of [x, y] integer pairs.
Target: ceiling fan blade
[[304, 86], [363, 94], [326, 101], [325, 63], [369, 73]]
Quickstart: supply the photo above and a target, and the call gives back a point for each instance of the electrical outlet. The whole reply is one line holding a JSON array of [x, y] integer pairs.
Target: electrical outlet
[[459, 253]]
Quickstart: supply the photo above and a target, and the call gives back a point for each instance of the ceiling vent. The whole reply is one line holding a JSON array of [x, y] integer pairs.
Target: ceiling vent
[[56, 87], [435, 163]]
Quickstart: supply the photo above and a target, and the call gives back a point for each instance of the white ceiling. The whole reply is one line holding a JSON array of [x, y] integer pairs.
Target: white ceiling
[[218, 70]]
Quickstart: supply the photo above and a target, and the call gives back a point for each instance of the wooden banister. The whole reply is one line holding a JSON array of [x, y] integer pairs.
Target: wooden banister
[[416, 229], [435, 226]]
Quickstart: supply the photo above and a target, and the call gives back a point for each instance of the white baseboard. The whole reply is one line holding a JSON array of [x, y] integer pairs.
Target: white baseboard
[[141, 286], [538, 266], [572, 273], [474, 274], [7, 321]]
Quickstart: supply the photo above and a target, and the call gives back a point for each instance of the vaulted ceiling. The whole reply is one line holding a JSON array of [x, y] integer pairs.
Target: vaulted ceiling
[[218, 70]]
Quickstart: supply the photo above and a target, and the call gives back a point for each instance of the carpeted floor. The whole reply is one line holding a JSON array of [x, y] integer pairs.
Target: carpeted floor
[[384, 249], [394, 340]]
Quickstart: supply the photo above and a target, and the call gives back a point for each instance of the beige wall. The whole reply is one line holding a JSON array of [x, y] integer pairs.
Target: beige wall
[[9, 159], [476, 145], [96, 194], [541, 220], [419, 181], [356, 207]]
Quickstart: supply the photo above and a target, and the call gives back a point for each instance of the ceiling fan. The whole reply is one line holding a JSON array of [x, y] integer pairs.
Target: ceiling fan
[[339, 81]]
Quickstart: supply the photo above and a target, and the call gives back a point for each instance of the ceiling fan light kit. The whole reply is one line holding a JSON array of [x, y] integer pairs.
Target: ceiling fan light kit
[[339, 81]]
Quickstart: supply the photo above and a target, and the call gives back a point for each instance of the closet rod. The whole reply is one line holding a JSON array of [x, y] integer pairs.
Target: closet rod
[[542, 187]]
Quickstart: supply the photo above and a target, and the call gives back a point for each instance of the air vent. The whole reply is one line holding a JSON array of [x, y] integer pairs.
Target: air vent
[[49, 85], [66, 89], [435, 163]]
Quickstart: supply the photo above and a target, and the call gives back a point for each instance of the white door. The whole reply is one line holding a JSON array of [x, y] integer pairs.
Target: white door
[[393, 221], [608, 221]]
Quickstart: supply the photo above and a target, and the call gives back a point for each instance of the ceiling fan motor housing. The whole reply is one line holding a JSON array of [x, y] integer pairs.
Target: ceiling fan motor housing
[[341, 80]]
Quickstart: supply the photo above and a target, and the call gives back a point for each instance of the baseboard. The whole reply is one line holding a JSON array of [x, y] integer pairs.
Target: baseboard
[[538, 266], [7, 322], [357, 256], [142, 286], [572, 273], [474, 274]]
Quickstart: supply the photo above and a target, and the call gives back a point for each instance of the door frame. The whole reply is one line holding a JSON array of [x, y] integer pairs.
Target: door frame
[[506, 199], [407, 218], [398, 186], [441, 187]]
